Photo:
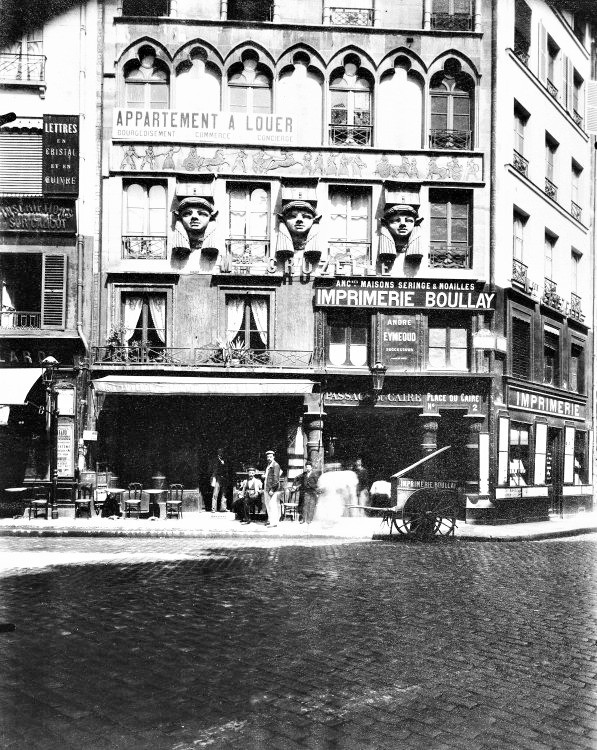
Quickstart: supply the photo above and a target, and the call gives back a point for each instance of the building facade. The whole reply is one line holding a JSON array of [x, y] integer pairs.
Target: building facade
[[47, 221], [297, 199]]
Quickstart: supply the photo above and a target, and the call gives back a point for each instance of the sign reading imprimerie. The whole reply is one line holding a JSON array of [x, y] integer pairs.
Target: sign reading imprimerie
[[406, 293], [168, 125]]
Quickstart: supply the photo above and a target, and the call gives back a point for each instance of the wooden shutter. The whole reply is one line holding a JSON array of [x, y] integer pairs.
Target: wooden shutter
[[566, 88], [521, 348], [53, 297], [20, 163], [591, 121], [542, 53], [569, 455]]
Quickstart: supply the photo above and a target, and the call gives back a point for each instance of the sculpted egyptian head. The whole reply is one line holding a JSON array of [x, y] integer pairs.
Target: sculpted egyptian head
[[401, 220], [194, 214], [299, 217]]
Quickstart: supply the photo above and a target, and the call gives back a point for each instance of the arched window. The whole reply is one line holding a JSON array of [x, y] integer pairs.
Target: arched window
[[300, 88], [198, 83], [249, 86], [451, 108], [144, 220], [147, 82], [351, 113]]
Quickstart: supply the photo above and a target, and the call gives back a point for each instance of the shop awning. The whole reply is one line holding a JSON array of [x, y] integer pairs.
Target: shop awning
[[168, 386], [16, 382]]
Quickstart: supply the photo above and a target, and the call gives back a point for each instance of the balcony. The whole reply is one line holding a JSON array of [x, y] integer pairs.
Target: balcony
[[351, 135], [142, 247], [452, 21], [345, 254], [450, 139], [245, 253], [578, 118], [442, 255], [19, 320], [551, 190], [22, 68], [520, 164], [550, 296], [211, 355], [576, 211], [575, 309], [551, 89], [520, 273], [351, 16]]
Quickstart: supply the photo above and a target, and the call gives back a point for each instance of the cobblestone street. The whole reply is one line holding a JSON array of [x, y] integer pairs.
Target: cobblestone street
[[173, 644]]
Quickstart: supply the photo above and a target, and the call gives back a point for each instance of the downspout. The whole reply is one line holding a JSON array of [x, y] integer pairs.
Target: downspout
[[80, 238], [80, 250]]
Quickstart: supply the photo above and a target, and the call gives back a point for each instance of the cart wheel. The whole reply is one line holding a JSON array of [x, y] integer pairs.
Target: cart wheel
[[426, 515], [398, 524]]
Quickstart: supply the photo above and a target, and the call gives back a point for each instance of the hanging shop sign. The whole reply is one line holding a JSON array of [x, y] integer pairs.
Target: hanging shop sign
[[48, 215], [540, 403], [167, 125], [400, 342], [403, 293], [60, 160], [65, 448]]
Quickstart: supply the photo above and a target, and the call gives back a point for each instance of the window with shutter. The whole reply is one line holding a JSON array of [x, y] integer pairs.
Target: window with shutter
[[20, 163], [521, 348], [53, 302], [551, 356]]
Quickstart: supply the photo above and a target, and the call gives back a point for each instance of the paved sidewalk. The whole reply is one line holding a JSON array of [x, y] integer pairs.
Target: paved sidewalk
[[224, 526]]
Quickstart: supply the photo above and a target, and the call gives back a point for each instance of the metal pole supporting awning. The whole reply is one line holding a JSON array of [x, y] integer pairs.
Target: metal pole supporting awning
[[156, 385]]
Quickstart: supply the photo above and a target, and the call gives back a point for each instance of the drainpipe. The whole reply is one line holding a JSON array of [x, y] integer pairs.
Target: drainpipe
[[80, 249], [80, 238]]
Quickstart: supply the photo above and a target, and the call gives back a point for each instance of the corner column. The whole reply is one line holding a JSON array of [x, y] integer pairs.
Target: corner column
[[429, 426], [313, 429]]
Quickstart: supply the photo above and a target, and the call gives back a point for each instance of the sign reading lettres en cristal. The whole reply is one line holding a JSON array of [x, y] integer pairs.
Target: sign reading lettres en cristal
[[173, 126]]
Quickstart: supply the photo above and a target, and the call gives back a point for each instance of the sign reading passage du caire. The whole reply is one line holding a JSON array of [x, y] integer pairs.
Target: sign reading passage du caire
[[406, 293], [167, 125]]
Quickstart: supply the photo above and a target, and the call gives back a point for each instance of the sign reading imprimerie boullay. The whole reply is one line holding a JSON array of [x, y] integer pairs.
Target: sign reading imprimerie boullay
[[406, 293], [60, 162]]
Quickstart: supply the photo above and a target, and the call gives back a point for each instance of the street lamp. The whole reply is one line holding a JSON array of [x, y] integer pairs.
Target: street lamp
[[378, 375], [49, 365]]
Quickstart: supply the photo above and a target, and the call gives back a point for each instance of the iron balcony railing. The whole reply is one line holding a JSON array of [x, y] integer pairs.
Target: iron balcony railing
[[344, 253], [351, 135], [211, 355], [520, 164], [452, 21], [457, 139], [14, 67], [519, 273], [576, 211], [19, 319], [351, 16], [577, 117], [552, 89], [551, 190], [139, 246], [442, 255], [575, 310], [550, 297], [243, 253]]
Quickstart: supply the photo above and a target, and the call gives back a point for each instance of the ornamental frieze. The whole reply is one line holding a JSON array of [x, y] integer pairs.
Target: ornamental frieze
[[405, 167]]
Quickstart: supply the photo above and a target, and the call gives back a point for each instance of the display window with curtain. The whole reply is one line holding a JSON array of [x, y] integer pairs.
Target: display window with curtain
[[247, 321], [143, 321]]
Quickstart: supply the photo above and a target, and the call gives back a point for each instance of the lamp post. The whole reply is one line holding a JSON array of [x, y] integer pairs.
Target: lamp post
[[378, 375], [49, 365]]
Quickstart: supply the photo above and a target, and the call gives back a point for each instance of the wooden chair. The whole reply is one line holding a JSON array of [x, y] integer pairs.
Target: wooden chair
[[132, 503], [290, 503], [83, 500], [40, 503], [174, 501]]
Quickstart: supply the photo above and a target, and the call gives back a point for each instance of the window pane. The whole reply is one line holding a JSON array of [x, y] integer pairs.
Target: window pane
[[338, 216], [358, 355], [437, 358], [458, 338], [337, 354], [458, 359], [159, 96], [358, 335], [338, 334], [238, 99], [157, 209], [459, 231], [439, 112], [437, 337], [134, 95], [258, 226], [262, 100], [438, 230]]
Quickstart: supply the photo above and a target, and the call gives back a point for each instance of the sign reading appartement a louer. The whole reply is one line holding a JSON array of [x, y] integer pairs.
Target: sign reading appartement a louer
[[174, 126], [60, 161]]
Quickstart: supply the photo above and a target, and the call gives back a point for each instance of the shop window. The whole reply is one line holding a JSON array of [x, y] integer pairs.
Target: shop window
[[451, 108], [351, 122], [581, 457], [247, 321], [577, 368], [143, 317], [146, 82], [519, 463], [450, 229], [347, 340], [448, 344], [248, 211], [144, 221], [250, 10], [521, 348], [522, 30], [551, 356], [33, 291], [249, 86], [350, 225]]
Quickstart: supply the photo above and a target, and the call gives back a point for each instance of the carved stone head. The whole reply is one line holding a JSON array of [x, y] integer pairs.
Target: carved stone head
[[193, 215], [400, 220]]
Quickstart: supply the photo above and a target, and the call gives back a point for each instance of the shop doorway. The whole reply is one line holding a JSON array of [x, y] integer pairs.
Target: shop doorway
[[554, 469]]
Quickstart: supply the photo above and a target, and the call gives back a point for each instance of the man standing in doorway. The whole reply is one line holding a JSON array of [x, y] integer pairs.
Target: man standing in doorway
[[271, 485], [307, 484], [218, 471]]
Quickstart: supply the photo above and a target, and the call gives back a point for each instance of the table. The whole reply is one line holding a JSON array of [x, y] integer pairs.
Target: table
[[152, 504]]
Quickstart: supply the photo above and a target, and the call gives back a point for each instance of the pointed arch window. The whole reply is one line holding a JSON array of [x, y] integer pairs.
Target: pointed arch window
[[249, 87], [147, 83], [451, 93], [351, 122]]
